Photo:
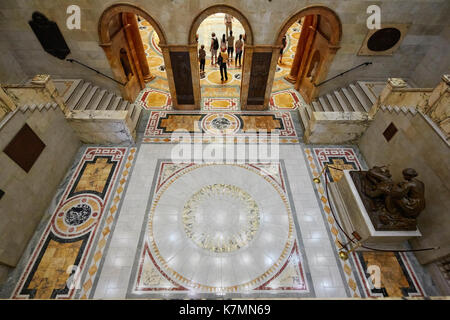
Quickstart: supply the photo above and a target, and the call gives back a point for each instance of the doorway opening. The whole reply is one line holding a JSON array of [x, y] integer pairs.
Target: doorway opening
[[284, 97], [156, 94], [220, 89], [121, 38], [309, 40]]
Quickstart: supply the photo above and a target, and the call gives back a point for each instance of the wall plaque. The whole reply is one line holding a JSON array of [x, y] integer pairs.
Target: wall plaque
[[390, 132], [181, 67], [258, 77], [25, 148]]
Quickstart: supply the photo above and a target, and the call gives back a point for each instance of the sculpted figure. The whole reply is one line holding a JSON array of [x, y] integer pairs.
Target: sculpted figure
[[408, 197], [391, 206]]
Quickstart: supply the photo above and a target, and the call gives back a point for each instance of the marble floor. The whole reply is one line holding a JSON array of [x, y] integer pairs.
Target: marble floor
[[136, 222]]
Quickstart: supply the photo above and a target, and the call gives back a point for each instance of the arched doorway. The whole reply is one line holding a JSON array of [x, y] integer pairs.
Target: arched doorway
[[318, 41], [248, 44], [121, 40]]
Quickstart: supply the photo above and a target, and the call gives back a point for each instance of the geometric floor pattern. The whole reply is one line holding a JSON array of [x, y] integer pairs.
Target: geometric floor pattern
[[129, 222], [232, 256]]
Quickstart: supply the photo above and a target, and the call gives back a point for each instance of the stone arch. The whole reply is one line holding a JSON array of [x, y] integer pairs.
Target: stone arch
[[221, 8], [118, 29], [322, 11], [322, 35], [111, 11]]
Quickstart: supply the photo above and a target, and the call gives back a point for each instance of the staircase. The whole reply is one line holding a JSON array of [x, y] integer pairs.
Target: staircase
[[357, 97], [81, 95], [87, 101]]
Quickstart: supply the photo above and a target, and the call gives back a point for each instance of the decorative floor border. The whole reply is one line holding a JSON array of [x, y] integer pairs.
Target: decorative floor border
[[69, 235]]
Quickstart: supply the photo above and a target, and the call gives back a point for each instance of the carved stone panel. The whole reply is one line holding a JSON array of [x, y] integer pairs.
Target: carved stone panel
[[258, 77], [181, 68]]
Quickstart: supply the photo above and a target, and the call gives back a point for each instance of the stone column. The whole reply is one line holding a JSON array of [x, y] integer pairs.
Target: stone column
[[392, 84], [301, 46], [247, 57], [45, 81], [195, 67], [140, 52]]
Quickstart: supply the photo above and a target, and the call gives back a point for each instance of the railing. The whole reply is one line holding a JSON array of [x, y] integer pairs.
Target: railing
[[86, 66], [342, 73]]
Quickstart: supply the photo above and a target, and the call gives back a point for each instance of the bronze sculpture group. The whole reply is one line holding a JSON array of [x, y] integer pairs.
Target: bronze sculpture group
[[390, 205]]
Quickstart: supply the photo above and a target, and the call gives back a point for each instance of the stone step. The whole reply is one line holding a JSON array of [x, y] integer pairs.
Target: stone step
[[334, 103], [353, 101], [105, 101], [316, 106], [366, 90], [363, 99], [113, 105], [308, 111], [324, 104], [304, 117], [86, 100], [76, 84], [123, 105], [342, 102], [131, 109], [95, 102], [136, 116], [76, 97]]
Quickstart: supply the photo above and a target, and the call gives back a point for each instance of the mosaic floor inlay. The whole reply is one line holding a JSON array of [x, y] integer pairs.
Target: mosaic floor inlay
[[229, 237], [162, 125], [68, 238]]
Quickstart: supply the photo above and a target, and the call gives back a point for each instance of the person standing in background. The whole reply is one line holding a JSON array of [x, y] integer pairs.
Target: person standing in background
[[202, 57], [230, 50], [223, 65], [283, 43], [223, 43], [228, 22], [213, 48], [239, 44]]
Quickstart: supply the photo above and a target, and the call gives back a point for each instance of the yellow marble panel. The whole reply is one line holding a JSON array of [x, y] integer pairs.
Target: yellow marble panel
[[95, 176], [156, 99], [284, 100], [339, 163], [52, 273], [253, 123], [392, 276], [181, 122]]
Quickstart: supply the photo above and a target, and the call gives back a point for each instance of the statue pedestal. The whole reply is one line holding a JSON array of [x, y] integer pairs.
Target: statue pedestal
[[347, 204]]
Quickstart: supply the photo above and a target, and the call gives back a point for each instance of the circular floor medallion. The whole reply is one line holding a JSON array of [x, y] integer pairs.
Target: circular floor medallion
[[221, 218], [220, 227], [221, 123], [78, 214]]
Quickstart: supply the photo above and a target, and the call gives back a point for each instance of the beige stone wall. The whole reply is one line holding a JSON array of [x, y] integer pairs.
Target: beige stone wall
[[427, 19], [436, 60], [336, 127], [27, 195], [102, 127], [419, 146]]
